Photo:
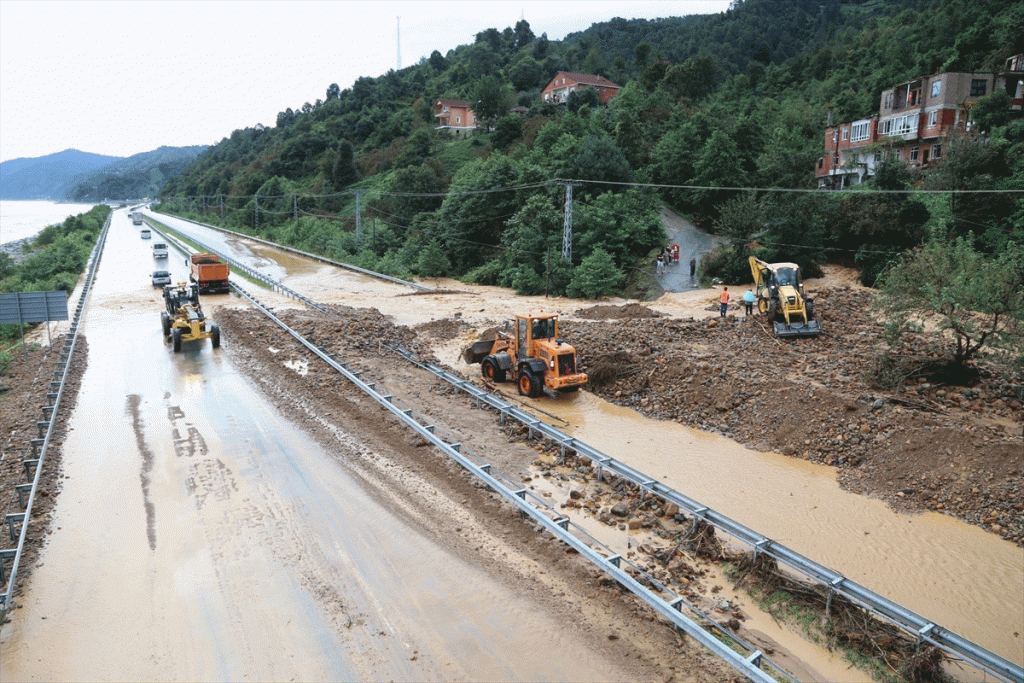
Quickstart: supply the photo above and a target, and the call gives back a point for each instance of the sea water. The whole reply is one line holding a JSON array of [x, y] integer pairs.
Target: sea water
[[20, 219]]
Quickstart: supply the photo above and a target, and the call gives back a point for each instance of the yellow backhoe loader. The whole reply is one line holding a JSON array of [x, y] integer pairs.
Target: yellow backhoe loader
[[781, 297]]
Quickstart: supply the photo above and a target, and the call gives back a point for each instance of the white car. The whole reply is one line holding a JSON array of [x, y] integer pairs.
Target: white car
[[161, 278], [145, 233], [159, 250]]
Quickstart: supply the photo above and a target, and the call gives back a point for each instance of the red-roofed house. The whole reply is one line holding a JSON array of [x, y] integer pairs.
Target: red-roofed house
[[566, 82], [454, 114]]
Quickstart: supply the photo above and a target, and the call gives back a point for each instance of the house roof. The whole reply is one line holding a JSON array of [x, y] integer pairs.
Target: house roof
[[588, 79], [453, 103]]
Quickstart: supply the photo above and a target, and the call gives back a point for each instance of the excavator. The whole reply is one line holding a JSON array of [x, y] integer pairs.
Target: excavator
[[532, 354], [781, 297]]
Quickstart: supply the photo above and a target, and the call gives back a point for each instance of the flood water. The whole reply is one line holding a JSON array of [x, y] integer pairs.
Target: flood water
[[199, 535], [963, 578]]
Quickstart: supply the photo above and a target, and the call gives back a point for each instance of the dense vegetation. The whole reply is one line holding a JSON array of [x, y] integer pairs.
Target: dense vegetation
[[55, 259], [138, 176], [735, 100]]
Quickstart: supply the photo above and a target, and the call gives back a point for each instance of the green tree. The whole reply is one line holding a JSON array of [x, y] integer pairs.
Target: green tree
[[506, 131], [491, 99], [717, 165], [978, 300], [524, 36], [595, 277], [433, 261]]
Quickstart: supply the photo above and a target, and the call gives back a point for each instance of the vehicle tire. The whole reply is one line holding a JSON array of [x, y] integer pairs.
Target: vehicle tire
[[763, 305], [176, 339], [165, 322], [809, 305], [215, 336], [491, 372], [529, 384], [773, 308]]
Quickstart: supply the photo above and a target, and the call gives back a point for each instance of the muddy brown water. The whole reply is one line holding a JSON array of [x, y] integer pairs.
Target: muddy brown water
[[201, 536], [963, 578]]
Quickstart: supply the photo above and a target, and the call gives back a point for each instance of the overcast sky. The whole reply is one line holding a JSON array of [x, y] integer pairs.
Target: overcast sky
[[124, 77]]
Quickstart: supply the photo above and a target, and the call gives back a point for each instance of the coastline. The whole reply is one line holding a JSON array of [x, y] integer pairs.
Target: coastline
[[16, 248]]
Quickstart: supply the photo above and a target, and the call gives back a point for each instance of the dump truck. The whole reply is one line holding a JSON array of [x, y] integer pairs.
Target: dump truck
[[183, 319], [781, 297], [208, 272], [137, 218], [532, 355]]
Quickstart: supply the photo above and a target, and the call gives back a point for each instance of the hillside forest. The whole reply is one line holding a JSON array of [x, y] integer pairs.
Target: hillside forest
[[719, 117]]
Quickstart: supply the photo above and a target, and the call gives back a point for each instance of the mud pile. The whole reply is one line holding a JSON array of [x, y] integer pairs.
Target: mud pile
[[923, 443]]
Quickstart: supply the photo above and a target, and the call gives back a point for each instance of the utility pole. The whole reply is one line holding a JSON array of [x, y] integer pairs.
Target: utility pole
[[567, 234], [256, 212], [295, 208], [359, 215], [222, 207]]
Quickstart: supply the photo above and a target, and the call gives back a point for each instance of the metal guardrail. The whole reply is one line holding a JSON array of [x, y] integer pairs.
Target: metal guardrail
[[27, 492], [748, 663], [923, 629], [251, 272], [315, 257]]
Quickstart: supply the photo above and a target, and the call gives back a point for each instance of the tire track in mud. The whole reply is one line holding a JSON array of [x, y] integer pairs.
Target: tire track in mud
[[146, 470]]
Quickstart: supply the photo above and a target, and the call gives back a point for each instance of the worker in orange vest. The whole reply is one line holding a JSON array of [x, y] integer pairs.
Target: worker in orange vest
[[723, 299]]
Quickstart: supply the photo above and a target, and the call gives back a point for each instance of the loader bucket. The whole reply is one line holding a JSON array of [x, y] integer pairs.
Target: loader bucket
[[811, 328], [478, 351]]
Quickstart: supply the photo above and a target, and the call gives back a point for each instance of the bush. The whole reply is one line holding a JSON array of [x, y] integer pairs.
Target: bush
[[596, 277]]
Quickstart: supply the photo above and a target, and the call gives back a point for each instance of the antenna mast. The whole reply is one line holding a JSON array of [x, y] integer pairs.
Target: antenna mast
[[398, 41]]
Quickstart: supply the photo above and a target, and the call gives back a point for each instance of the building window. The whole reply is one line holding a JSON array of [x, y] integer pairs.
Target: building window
[[913, 153], [936, 88], [458, 119], [888, 100], [846, 133], [860, 132], [978, 87], [937, 151], [933, 117]]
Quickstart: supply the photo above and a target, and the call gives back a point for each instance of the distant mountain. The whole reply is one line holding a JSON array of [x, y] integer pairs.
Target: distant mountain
[[140, 175], [50, 177]]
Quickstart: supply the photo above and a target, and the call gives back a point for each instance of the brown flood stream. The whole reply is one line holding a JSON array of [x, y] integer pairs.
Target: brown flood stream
[[963, 578]]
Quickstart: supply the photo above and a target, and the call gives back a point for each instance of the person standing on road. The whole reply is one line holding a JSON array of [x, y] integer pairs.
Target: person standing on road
[[693, 267], [748, 301], [723, 300], [659, 263]]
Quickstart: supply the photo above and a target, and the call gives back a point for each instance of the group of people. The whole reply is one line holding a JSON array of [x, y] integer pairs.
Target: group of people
[[748, 301], [666, 257]]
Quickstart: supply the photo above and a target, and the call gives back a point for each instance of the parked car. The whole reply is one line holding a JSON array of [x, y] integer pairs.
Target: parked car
[[161, 278], [145, 233]]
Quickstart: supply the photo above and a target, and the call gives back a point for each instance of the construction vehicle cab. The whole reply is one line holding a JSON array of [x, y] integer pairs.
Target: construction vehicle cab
[[183, 319], [781, 297], [532, 354]]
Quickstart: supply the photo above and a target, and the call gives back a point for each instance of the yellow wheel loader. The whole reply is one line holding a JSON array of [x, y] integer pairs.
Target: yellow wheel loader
[[532, 354], [781, 297], [183, 321]]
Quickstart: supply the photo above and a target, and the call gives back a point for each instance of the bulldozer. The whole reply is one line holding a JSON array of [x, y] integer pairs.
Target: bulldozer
[[183, 321], [781, 297], [531, 354]]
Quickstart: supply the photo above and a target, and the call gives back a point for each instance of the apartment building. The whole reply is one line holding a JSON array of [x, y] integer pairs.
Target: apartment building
[[912, 120]]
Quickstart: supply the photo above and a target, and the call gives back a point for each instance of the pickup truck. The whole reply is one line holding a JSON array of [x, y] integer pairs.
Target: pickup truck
[[209, 272], [160, 250]]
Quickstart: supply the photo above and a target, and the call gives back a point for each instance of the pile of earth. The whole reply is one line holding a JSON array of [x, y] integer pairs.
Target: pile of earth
[[608, 312], [924, 443]]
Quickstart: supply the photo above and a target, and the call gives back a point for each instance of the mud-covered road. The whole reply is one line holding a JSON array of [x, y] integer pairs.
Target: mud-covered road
[[759, 428]]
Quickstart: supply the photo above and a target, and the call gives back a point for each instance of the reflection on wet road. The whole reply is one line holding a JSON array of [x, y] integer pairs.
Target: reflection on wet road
[[201, 536]]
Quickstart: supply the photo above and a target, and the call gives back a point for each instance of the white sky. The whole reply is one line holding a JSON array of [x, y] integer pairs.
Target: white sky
[[127, 76]]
